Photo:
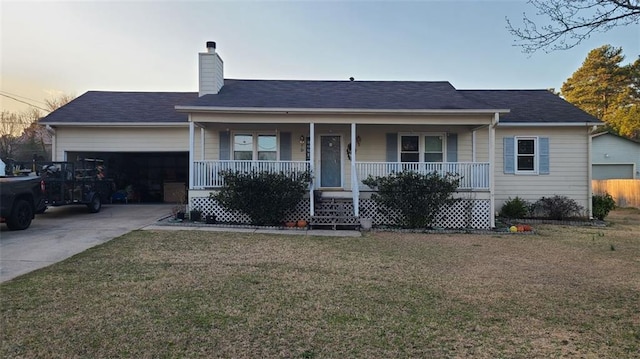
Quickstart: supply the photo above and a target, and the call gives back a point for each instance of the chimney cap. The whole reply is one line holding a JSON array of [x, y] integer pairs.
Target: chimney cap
[[211, 44]]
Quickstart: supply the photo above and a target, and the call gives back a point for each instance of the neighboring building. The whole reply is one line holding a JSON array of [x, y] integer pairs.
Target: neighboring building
[[614, 157], [504, 143]]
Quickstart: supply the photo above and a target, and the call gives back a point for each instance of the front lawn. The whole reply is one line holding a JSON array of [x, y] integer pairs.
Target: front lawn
[[567, 291]]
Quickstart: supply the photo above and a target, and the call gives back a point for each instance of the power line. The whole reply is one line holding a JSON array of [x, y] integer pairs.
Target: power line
[[24, 97], [25, 102]]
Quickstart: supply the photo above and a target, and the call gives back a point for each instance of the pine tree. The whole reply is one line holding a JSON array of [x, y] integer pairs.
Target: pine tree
[[607, 90]]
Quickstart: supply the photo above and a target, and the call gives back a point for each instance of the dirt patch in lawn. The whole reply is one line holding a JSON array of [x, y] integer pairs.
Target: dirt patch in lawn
[[566, 291]]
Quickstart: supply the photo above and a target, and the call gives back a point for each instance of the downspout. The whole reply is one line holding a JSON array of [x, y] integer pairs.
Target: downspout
[[589, 172], [355, 190], [191, 154], [492, 175], [312, 159]]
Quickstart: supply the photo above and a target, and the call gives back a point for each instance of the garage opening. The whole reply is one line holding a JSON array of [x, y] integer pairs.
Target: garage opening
[[144, 177]]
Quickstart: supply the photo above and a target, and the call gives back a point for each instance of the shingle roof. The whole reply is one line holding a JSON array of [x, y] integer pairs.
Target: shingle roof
[[372, 95], [122, 107], [159, 107], [531, 106]]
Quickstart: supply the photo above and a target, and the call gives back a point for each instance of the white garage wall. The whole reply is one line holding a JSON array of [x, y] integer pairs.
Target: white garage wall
[[120, 139]]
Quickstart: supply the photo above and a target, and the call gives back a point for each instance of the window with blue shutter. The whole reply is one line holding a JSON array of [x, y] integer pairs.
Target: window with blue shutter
[[526, 155]]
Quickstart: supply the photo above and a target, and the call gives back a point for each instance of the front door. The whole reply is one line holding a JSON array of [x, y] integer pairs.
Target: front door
[[330, 161]]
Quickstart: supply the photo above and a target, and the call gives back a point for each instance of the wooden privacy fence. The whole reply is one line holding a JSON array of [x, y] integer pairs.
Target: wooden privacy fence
[[626, 192]]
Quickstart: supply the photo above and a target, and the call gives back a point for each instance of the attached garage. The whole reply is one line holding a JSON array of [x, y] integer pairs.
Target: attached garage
[[145, 177], [612, 171], [142, 140]]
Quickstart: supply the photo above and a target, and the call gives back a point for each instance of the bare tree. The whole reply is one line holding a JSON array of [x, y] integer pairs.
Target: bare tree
[[571, 22], [21, 134]]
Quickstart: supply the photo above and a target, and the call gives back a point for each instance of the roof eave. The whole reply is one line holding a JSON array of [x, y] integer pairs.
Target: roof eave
[[332, 111], [117, 124], [550, 124]]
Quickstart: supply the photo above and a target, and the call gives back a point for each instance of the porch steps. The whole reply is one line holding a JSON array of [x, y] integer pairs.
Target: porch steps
[[334, 213]]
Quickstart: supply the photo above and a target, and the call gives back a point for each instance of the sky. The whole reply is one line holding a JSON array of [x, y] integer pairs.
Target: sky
[[49, 48]]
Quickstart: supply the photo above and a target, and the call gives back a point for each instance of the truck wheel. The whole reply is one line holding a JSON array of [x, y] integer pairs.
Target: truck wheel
[[21, 216], [95, 204]]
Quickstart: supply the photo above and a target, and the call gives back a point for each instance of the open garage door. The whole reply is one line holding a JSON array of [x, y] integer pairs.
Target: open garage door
[[145, 177]]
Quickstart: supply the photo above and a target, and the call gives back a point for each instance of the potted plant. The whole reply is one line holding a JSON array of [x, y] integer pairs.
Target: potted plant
[[178, 212], [302, 223]]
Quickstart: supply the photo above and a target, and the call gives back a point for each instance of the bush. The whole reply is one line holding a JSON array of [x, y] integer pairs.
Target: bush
[[263, 196], [557, 207], [418, 197], [515, 208], [602, 205]]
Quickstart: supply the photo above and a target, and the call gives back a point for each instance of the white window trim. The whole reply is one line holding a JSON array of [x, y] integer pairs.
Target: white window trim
[[536, 155], [421, 136], [254, 135]]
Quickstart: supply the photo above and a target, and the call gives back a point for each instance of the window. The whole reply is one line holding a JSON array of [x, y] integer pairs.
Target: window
[[262, 147], [432, 145], [433, 149], [242, 147], [267, 148], [410, 149], [526, 154]]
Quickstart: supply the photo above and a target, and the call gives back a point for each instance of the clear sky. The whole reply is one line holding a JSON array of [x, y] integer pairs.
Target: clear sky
[[50, 47]]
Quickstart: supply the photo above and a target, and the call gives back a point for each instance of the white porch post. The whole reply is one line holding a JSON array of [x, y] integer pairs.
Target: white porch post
[[492, 165], [312, 151], [191, 149], [202, 143], [355, 190]]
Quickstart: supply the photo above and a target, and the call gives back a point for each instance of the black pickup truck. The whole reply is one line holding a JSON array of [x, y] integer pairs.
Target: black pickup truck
[[20, 198]]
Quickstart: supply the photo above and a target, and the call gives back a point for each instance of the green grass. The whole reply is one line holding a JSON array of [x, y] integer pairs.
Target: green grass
[[157, 294]]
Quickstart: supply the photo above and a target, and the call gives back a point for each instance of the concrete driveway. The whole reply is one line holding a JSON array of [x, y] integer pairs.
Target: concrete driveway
[[61, 232]]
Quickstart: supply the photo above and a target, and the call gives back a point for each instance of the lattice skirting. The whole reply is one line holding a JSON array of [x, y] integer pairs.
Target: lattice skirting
[[210, 206], [467, 213]]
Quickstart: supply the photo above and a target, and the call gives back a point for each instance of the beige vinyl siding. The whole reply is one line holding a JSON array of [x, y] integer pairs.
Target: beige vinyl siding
[[569, 165], [120, 139]]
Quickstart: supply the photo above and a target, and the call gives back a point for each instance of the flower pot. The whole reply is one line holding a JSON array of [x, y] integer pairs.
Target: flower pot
[[366, 224], [210, 219], [290, 224], [302, 223]]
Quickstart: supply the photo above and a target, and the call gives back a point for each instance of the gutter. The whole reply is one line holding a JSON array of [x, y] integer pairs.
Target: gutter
[[334, 111], [550, 124], [118, 124]]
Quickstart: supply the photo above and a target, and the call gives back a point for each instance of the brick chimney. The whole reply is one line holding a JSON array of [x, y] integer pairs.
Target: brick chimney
[[210, 71]]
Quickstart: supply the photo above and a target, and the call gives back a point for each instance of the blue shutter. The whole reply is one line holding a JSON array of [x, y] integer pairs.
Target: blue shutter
[[543, 147], [452, 147], [392, 147], [509, 153], [285, 146], [225, 145]]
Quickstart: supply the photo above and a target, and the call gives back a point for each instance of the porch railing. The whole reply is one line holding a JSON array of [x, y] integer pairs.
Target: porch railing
[[473, 175], [206, 173]]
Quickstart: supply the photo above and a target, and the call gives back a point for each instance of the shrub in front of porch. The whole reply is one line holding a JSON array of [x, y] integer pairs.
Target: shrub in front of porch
[[418, 197], [263, 196]]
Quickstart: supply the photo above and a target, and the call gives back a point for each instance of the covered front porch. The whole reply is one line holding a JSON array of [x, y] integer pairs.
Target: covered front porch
[[341, 155]]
